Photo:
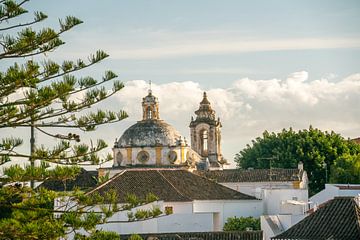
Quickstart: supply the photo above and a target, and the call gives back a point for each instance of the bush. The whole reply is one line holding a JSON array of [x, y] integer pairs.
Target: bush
[[135, 237], [156, 211], [141, 214], [242, 224]]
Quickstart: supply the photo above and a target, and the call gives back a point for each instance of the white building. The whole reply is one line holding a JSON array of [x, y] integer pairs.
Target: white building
[[197, 204], [334, 190], [278, 188]]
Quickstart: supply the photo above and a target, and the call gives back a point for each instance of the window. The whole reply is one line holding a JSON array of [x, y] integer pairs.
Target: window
[[168, 210], [143, 156], [172, 156], [119, 158], [204, 142]]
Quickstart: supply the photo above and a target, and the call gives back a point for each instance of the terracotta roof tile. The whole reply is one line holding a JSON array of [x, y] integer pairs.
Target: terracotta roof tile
[[349, 187], [338, 219], [253, 175], [169, 185], [357, 140], [85, 180], [233, 235]]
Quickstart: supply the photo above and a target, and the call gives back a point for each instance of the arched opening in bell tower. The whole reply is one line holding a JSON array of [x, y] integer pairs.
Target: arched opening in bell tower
[[204, 142], [149, 113]]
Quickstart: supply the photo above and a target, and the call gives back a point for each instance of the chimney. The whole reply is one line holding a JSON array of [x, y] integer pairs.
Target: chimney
[[301, 166]]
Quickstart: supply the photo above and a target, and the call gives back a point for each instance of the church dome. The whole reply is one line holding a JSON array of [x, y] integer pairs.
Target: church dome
[[148, 133]]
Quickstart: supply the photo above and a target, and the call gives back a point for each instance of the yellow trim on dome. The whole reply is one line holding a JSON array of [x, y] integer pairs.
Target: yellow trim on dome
[[129, 155], [182, 154], [158, 155]]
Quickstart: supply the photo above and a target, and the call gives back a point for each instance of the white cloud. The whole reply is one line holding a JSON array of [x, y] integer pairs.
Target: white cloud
[[248, 107]]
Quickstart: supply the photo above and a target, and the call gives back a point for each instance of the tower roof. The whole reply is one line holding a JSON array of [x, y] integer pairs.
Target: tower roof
[[205, 113]]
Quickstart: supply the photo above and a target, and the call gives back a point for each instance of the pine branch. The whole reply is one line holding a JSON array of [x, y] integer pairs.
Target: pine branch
[[39, 16], [16, 120], [53, 38], [13, 5]]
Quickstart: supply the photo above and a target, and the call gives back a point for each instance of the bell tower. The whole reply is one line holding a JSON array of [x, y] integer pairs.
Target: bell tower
[[150, 105], [205, 133]]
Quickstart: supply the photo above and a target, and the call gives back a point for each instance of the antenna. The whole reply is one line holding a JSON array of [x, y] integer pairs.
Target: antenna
[[270, 159]]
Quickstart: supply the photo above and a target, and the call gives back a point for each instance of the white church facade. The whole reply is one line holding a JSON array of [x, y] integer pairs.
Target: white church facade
[[152, 142]]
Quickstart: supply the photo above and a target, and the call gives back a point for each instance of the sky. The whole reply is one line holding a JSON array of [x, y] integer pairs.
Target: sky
[[266, 65]]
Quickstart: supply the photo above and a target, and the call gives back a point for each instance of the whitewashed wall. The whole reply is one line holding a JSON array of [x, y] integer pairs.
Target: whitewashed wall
[[284, 222], [331, 191], [250, 187], [197, 216], [273, 199], [226, 208]]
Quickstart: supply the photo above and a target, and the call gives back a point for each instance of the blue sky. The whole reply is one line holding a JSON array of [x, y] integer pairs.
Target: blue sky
[[161, 40], [266, 64]]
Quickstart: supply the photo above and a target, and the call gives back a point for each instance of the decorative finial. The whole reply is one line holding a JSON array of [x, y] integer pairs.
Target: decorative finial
[[150, 91], [205, 100]]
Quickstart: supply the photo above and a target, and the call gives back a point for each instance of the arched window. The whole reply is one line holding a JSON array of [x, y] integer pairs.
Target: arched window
[[204, 142], [149, 113]]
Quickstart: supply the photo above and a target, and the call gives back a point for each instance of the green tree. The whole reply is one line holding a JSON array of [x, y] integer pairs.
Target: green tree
[[346, 169], [242, 224], [39, 94], [318, 151]]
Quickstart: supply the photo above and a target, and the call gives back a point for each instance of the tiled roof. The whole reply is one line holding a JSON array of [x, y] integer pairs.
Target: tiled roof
[[85, 180], [244, 235], [357, 140], [349, 187], [168, 184], [253, 175], [338, 219]]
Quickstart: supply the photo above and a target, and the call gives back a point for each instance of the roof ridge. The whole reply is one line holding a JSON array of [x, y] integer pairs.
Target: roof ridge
[[167, 180], [107, 182]]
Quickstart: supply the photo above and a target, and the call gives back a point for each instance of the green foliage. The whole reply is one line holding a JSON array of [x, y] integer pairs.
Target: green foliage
[[156, 211], [101, 179], [318, 151], [142, 214], [50, 98], [135, 237], [42, 94], [98, 235], [25, 212], [242, 224], [132, 201], [28, 214], [346, 169], [150, 197]]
